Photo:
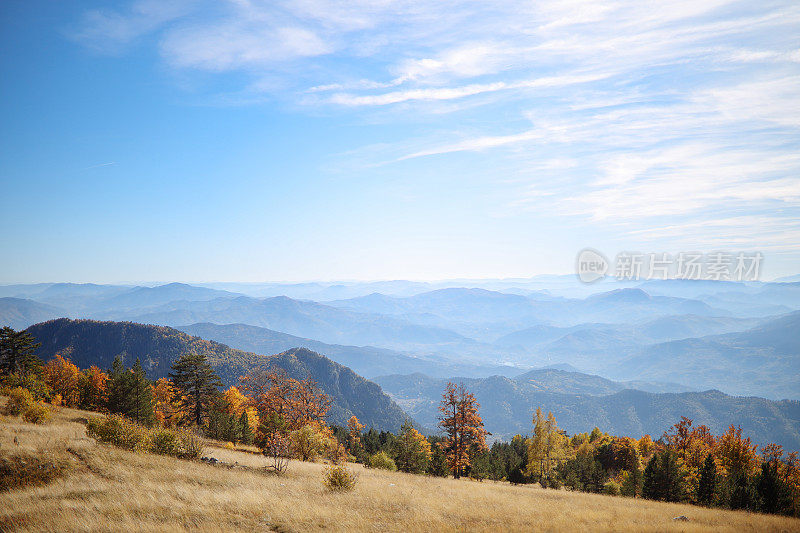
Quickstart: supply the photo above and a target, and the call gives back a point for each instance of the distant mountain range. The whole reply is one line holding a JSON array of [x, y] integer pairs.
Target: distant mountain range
[[89, 342], [763, 361], [365, 360], [19, 313], [631, 331], [581, 402]]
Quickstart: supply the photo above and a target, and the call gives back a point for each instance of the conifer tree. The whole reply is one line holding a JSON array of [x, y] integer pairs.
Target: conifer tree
[[707, 486], [245, 432], [17, 352], [742, 496], [130, 393], [772, 492], [663, 478], [221, 424], [650, 488], [196, 387]]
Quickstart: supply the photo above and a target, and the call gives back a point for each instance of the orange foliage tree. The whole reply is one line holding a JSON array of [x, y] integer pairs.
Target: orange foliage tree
[[94, 395], [291, 413], [63, 377], [276, 395], [646, 446], [354, 428], [463, 425]]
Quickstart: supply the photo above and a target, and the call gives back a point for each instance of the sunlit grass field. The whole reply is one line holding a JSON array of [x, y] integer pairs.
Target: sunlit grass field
[[108, 489]]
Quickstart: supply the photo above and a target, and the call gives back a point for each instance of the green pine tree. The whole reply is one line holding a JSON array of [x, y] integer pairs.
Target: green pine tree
[[663, 478], [17, 352], [650, 488], [130, 393], [218, 423], [245, 432], [707, 486], [196, 387], [773, 494], [742, 494]]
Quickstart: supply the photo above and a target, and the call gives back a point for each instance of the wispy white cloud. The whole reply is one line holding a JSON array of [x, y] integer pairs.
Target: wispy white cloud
[[655, 110], [233, 46], [108, 30], [449, 93]]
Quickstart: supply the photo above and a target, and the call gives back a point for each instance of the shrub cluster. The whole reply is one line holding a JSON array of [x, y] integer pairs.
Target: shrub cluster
[[129, 435], [382, 460], [339, 478], [21, 403], [313, 441]]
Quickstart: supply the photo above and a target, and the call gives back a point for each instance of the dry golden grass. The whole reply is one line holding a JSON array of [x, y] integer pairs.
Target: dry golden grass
[[108, 489]]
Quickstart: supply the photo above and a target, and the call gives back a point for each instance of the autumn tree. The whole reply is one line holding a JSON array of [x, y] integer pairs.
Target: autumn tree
[[165, 409], [17, 352], [275, 394], [93, 389], [735, 453], [354, 428], [63, 377], [646, 446], [546, 448], [463, 426], [240, 406], [196, 386], [691, 446], [291, 415], [412, 451]]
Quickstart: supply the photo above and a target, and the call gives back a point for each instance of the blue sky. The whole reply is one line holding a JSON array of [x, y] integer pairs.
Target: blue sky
[[254, 141]]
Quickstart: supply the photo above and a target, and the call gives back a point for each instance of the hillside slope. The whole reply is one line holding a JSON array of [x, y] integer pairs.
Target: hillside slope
[[111, 489], [88, 342]]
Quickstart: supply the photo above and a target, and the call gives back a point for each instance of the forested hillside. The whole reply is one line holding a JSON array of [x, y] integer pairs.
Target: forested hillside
[[89, 342]]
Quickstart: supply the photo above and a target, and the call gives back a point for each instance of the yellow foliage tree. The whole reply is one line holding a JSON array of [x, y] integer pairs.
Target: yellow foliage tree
[[165, 409], [547, 448]]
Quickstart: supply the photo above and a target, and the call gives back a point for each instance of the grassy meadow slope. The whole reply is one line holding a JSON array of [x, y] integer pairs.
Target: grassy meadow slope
[[108, 489]]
